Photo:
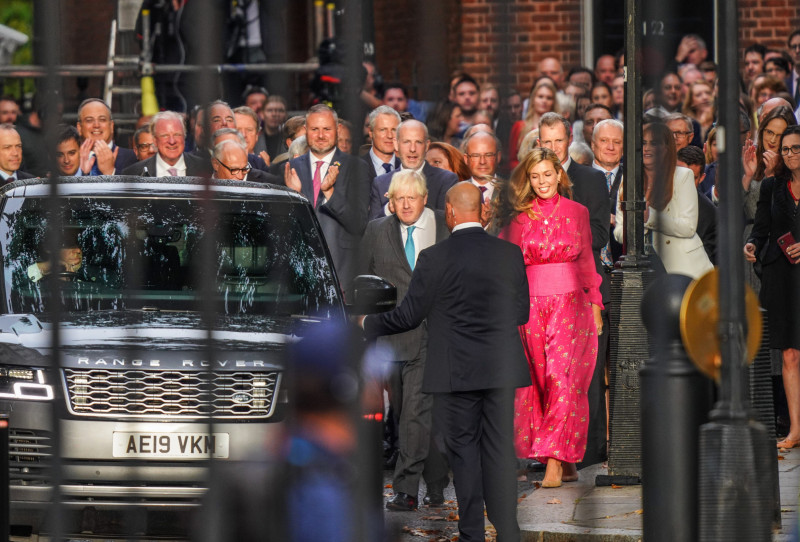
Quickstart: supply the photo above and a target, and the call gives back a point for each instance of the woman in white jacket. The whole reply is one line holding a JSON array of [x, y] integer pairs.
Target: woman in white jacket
[[671, 214]]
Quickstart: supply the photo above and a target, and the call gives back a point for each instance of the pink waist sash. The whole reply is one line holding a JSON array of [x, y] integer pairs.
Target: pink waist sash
[[553, 278]]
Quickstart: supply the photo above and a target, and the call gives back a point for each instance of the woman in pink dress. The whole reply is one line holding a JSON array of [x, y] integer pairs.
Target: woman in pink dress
[[551, 417]]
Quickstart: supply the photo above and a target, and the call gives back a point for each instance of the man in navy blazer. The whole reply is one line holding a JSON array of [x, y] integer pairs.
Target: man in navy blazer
[[382, 126], [410, 145], [473, 290], [337, 186], [99, 154]]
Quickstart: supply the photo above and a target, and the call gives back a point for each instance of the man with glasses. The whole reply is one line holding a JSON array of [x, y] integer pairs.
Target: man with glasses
[[682, 129], [482, 155], [143, 143], [230, 161], [169, 160]]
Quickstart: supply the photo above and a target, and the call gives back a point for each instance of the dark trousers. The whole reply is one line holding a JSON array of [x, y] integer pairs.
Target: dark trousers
[[596, 448], [419, 456], [478, 428]]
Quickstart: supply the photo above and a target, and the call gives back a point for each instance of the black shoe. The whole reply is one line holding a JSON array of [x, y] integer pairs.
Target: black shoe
[[433, 498], [402, 502], [435, 494]]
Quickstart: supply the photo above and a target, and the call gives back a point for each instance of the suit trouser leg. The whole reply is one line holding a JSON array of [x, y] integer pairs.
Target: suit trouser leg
[[498, 463], [596, 443], [415, 428], [459, 416]]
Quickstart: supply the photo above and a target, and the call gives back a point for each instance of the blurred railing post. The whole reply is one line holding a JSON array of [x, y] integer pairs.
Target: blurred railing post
[[5, 503]]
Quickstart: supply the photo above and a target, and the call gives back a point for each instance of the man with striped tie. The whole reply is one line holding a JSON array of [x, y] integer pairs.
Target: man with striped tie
[[389, 249], [482, 155]]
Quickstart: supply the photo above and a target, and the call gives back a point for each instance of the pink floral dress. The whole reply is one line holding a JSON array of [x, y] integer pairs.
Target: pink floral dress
[[551, 417]]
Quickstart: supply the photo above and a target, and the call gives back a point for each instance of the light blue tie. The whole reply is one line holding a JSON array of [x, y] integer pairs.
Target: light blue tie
[[410, 249]]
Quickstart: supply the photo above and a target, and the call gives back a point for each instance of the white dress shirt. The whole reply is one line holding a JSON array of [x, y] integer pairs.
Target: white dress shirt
[[424, 233], [322, 170], [162, 168]]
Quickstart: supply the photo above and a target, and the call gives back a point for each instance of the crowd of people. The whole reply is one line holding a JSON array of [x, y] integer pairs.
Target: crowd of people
[[424, 202]]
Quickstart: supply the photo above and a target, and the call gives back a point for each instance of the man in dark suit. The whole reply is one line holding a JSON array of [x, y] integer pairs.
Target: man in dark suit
[[10, 155], [475, 361], [99, 154], [589, 188], [382, 122], [411, 144], [337, 185], [170, 160], [693, 158], [389, 249]]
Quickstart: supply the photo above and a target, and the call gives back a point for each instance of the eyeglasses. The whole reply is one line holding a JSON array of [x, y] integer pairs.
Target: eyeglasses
[[681, 135], [795, 46], [486, 156], [146, 147], [794, 149], [236, 170], [770, 134]]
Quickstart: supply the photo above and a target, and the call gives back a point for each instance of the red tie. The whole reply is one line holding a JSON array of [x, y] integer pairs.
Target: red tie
[[317, 181], [483, 189]]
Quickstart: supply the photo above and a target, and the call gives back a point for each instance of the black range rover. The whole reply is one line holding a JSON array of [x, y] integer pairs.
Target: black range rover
[[133, 383]]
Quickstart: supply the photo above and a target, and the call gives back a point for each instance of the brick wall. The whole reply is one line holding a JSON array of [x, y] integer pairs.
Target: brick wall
[[768, 22], [504, 41]]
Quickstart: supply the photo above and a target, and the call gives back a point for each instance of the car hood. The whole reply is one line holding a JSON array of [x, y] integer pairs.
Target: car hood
[[155, 341]]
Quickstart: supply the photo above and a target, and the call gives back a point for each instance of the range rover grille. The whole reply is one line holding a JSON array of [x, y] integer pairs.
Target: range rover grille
[[171, 394], [28, 454]]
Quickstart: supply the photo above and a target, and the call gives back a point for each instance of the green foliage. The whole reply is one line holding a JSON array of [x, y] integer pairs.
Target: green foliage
[[18, 14]]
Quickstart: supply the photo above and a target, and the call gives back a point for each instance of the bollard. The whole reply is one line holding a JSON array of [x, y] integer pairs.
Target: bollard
[[675, 401]]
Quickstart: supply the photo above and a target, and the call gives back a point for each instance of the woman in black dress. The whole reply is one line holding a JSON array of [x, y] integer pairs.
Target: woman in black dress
[[777, 216]]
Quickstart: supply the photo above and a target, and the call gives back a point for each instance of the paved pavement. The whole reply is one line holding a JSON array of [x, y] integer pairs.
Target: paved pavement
[[577, 511]]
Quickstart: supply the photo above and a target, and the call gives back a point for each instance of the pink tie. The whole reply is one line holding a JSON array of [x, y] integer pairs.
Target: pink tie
[[173, 171], [483, 189], [317, 181]]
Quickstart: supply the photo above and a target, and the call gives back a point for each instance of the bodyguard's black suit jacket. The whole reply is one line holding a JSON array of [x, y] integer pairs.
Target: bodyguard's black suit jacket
[[382, 253], [473, 290], [195, 167], [590, 190], [438, 181], [343, 218]]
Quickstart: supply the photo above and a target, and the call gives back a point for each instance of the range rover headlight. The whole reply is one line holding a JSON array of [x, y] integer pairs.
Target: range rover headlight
[[24, 383]]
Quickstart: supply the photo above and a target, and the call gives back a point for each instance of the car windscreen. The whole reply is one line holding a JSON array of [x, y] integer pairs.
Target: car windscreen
[[267, 256]]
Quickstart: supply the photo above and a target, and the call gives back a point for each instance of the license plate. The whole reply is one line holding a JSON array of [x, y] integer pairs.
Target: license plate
[[170, 445]]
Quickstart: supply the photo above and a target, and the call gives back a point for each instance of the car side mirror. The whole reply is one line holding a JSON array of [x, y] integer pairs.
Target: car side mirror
[[371, 295]]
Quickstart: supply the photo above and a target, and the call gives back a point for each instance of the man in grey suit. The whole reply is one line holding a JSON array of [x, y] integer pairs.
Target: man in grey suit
[[389, 249], [411, 144], [474, 362], [337, 185]]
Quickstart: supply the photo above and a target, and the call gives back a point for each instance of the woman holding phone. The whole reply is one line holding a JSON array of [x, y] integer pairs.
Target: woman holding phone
[[773, 242]]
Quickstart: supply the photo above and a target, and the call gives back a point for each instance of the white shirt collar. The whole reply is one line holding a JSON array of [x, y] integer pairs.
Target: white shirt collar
[[423, 222], [568, 163], [327, 159], [163, 168], [465, 225]]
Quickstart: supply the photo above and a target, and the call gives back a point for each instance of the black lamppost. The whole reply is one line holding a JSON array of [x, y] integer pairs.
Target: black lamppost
[[735, 481]]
